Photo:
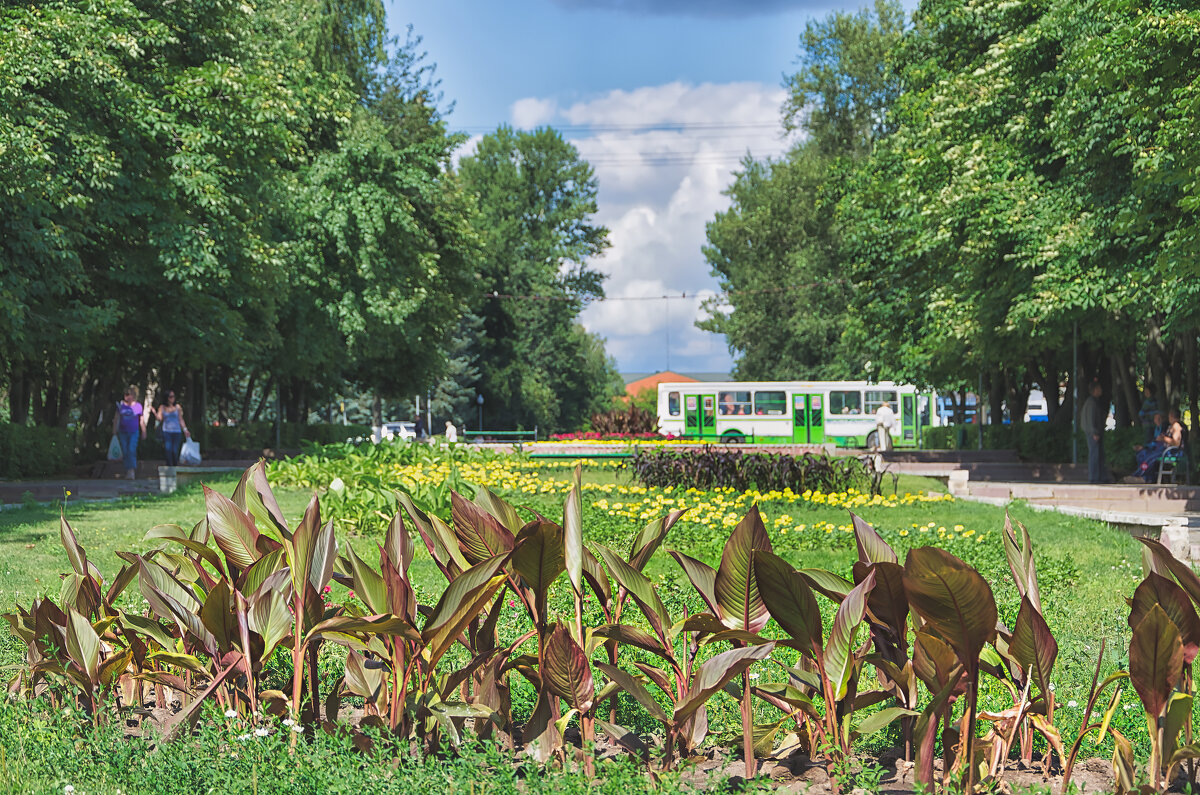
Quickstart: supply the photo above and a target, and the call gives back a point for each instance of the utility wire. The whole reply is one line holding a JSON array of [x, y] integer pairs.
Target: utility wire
[[666, 297]]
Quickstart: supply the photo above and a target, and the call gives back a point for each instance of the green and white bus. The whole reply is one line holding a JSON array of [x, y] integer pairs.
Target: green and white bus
[[792, 412]]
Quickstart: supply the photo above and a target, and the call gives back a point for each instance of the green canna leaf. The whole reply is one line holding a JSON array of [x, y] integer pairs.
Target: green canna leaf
[[538, 555], [633, 686], [839, 659], [368, 583], [83, 645], [714, 672], [650, 538], [465, 598], [953, 598], [565, 670], [735, 587], [702, 576], [232, 528], [480, 534], [640, 589], [1155, 660], [871, 546], [1158, 590], [1020, 562], [254, 496], [790, 601], [1033, 646], [573, 533]]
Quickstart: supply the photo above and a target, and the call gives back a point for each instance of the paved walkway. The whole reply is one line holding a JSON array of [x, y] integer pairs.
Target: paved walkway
[[110, 485]]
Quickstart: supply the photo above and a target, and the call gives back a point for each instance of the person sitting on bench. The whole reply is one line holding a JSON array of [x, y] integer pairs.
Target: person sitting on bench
[[1149, 455]]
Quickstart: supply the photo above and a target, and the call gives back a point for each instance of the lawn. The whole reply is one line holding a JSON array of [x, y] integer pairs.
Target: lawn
[[1086, 569]]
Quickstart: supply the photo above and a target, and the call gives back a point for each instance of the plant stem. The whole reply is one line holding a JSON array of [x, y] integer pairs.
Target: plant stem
[[748, 729]]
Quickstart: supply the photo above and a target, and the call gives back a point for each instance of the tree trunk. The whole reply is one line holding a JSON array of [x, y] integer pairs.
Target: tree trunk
[[1189, 355], [249, 396], [265, 395], [377, 411], [18, 396], [995, 387]]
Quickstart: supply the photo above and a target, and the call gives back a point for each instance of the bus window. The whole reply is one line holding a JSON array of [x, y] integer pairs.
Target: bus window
[[732, 403], [875, 399], [845, 402], [770, 404], [673, 404]]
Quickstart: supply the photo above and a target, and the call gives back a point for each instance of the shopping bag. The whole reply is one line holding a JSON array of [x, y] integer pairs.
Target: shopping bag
[[114, 449], [190, 454]]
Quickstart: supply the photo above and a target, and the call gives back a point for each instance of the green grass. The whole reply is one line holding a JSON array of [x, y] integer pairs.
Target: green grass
[[1086, 569]]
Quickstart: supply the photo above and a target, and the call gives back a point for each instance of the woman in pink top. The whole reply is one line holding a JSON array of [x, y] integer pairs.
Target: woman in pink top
[[129, 424]]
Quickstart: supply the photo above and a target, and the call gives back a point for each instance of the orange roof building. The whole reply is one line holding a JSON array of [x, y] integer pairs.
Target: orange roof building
[[652, 381]]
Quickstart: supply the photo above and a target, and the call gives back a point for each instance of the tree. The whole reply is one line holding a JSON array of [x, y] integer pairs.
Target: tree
[[536, 197], [776, 250]]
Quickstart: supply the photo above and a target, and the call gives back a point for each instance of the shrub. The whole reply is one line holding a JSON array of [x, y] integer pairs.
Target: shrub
[[30, 451], [259, 435], [618, 422], [1036, 441], [716, 468]]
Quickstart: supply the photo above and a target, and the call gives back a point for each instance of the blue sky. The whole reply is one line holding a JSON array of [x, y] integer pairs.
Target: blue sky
[[663, 97]]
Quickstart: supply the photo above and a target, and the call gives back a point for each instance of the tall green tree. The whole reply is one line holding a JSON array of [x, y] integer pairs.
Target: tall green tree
[[536, 198], [776, 249]]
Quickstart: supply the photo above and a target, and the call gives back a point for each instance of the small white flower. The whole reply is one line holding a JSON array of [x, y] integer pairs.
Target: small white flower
[[1051, 687], [753, 676], [243, 737], [1128, 707], [231, 713], [288, 722], [298, 729], [1072, 703], [67, 790], [261, 731]]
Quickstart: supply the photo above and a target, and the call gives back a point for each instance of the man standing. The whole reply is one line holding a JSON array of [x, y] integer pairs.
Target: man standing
[[1091, 421], [885, 418]]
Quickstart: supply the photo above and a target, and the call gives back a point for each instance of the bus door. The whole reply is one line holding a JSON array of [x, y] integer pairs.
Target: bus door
[[699, 415], [808, 419], [908, 419]]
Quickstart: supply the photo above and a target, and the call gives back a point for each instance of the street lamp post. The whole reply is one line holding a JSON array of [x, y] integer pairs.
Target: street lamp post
[[479, 401]]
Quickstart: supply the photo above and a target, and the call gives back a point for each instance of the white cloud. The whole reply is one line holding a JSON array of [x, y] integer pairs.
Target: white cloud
[[533, 112], [662, 155]]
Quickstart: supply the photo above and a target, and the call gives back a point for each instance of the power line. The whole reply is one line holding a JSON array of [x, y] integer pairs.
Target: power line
[[666, 297]]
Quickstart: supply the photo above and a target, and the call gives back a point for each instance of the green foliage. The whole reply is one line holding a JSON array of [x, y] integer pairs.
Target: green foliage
[[721, 468], [34, 451], [536, 199], [275, 186], [777, 246]]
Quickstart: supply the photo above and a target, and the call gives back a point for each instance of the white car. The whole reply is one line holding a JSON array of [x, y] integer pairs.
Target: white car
[[400, 430]]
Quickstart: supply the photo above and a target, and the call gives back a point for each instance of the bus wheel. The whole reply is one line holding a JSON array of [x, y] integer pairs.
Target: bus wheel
[[733, 438], [873, 441]]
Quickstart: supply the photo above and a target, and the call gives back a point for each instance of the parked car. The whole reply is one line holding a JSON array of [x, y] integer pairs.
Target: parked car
[[401, 430]]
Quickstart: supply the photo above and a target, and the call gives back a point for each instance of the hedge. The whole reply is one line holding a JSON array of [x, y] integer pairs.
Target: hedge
[[1036, 441], [32, 451], [261, 435]]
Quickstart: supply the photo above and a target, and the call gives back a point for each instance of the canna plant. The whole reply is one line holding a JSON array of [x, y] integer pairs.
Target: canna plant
[[959, 612], [829, 669], [685, 683]]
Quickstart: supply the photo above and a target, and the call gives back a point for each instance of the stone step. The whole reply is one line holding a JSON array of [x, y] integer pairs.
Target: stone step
[[951, 456]]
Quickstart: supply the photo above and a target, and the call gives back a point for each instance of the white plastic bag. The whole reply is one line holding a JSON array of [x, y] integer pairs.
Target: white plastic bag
[[190, 454], [114, 449]]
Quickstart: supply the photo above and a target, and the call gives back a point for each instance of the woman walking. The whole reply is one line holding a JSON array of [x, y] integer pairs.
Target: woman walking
[[170, 418], [129, 424]]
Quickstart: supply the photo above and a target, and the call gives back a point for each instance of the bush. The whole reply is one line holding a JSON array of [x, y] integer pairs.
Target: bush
[[716, 468], [31, 451], [618, 422], [259, 435], [1036, 441]]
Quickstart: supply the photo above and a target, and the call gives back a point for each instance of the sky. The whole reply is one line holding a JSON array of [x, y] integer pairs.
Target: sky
[[663, 97]]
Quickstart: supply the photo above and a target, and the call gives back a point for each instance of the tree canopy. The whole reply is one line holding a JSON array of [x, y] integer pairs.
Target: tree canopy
[[240, 200]]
